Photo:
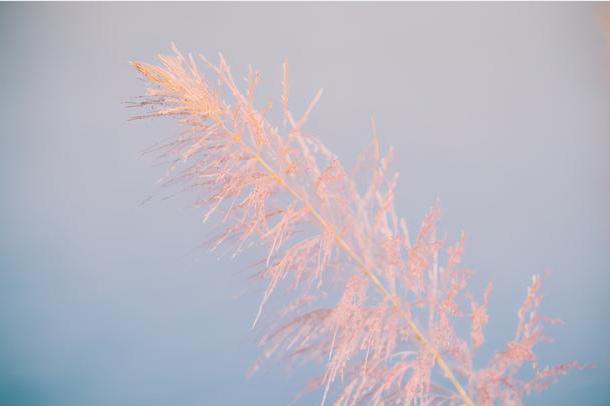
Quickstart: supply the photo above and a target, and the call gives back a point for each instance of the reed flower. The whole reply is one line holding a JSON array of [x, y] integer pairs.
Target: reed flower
[[378, 307]]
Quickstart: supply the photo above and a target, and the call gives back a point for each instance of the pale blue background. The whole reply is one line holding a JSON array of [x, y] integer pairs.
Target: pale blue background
[[500, 110]]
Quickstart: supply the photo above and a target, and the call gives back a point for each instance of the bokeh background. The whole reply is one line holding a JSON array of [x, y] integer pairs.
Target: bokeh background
[[500, 110]]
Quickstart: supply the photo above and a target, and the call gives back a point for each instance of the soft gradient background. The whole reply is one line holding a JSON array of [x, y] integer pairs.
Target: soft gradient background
[[500, 110]]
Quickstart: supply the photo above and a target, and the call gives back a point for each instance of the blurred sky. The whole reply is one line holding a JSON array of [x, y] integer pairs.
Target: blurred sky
[[500, 110]]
